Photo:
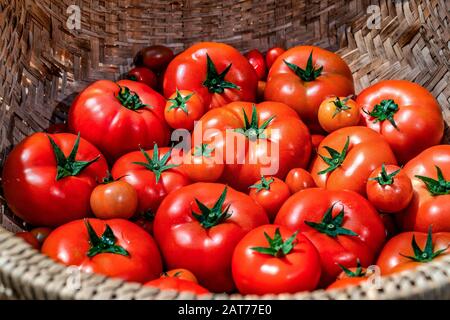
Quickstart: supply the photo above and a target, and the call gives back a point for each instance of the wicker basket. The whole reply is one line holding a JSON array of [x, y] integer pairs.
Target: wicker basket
[[44, 63]]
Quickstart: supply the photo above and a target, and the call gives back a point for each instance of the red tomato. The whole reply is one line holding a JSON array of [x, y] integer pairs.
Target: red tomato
[[114, 200], [316, 140], [342, 225], [298, 179], [57, 128], [260, 91], [201, 164], [406, 114], [152, 174], [271, 140], [270, 193], [145, 220], [304, 76], [349, 277], [119, 117], [256, 59], [182, 109], [180, 273], [272, 55], [29, 238], [41, 234], [198, 226], [144, 75], [288, 263], [409, 250], [348, 156], [389, 189], [115, 248], [155, 57], [48, 179], [430, 176], [338, 112], [177, 284], [217, 72], [389, 224]]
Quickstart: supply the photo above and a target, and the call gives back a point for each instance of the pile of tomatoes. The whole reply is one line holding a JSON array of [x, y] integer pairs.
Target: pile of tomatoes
[[358, 180]]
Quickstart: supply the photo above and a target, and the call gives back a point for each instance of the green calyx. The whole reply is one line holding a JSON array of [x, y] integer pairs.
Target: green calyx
[[216, 82], [277, 247], [263, 185], [428, 253], [437, 187], [180, 102], [310, 73], [103, 244], [336, 158], [154, 164], [385, 110], [353, 274], [204, 150], [129, 99], [385, 179], [67, 167], [332, 226], [210, 217], [251, 129], [340, 105]]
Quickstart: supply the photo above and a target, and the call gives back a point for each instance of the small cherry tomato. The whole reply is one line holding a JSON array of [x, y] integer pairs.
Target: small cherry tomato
[[270, 193], [114, 200], [155, 57], [41, 234], [350, 276], [389, 189], [176, 284], [256, 59], [180, 273], [338, 112], [29, 238], [144, 75], [201, 165], [272, 55], [298, 179], [183, 108]]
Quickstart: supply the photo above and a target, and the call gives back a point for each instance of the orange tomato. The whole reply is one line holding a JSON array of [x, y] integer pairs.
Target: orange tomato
[[338, 112]]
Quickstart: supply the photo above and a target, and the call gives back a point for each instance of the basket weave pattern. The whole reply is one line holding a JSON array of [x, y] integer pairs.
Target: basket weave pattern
[[44, 64]]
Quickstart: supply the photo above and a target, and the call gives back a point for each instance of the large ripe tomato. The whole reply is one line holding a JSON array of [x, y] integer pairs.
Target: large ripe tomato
[[304, 76], [257, 61], [348, 156], [152, 174], [389, 189], [119, 117], [155, 57], [298, 179], [48, 179], [115, 248], [215, 71], [273, 259], [270, 193], [430, 205], [182, 109], [198, 226], [254, 140], [406, 114], [177, 284], [338, 112], [144, 75], [272, 54], [408, 250], [342, 225]]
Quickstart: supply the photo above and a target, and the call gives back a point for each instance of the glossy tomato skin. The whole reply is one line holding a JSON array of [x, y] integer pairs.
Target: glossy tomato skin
[[150, 192], [285, 134], [258, 273], [391, 260], [206, 252], [273, 198], [101, 118], [305, 97], [392, 197], [177, 284], [177, 118], [116, 199], [367, 150], [419, 118], [332, 118], [298, 179], [188, 72], [272, 54], [69, 244], [359, 216], [257, 61], [41, 234], [144, 75], [155, 57], [425, 209], [30, 186]]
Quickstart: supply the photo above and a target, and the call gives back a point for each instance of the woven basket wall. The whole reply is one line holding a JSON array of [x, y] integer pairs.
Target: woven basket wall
[[44, 64]]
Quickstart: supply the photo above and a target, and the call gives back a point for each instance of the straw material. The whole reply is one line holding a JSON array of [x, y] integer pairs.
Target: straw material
[[43, 64]]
